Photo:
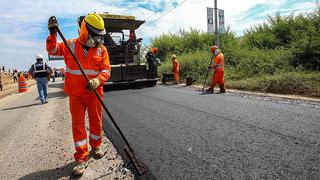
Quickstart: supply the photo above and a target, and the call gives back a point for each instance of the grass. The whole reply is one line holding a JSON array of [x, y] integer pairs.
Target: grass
[[297, 83]]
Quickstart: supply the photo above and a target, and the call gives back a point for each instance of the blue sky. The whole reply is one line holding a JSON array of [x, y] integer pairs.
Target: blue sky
[[23, 22]]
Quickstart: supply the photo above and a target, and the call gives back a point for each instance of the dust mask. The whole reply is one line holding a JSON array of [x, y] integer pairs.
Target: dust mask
[[94, 41], [216, 52]]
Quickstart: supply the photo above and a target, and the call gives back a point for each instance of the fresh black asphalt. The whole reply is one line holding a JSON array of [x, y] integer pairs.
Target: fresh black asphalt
[[180, 134]]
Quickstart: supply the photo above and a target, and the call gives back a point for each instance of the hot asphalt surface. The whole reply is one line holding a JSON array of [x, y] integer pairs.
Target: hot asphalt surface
[[181, 134]]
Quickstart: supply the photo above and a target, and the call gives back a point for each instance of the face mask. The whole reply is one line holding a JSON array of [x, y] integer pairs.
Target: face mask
[[94, 41], [216, 52]]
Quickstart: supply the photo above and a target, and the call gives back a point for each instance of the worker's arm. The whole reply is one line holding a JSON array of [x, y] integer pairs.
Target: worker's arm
[[105, 67], [31, 70], [48, 69], [53, 47]]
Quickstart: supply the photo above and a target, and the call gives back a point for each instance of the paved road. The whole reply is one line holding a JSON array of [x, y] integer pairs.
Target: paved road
[[183, 135]]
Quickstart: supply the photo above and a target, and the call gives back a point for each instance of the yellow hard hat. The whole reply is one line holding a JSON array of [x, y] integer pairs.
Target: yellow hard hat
[[95, 24], [173, 56]]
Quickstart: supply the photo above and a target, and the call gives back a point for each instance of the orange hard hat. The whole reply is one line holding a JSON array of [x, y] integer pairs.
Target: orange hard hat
[[154, 50], [213, 48]]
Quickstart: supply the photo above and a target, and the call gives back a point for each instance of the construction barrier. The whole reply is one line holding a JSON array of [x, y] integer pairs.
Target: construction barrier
[[22, 84]]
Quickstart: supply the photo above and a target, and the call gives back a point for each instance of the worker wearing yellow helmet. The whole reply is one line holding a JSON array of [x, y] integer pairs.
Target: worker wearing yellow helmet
[[93, 56]]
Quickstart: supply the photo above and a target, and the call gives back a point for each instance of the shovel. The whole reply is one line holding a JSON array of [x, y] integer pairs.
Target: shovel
[[205, 80]]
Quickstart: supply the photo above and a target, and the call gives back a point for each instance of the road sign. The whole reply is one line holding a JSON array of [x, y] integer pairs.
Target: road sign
[[221, 21], [210, 20], [55, 58]]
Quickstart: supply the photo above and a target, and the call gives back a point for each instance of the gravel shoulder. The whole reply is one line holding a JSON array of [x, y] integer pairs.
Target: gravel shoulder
[[265, 96], [12, 88], [37, 140]]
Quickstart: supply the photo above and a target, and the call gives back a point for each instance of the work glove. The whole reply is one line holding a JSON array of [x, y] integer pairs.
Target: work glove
[[53, 25], [93, 84]]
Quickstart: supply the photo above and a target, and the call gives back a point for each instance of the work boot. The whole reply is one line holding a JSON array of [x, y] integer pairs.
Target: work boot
[[97, 153], [79, 169], [210, 91], [222, 89]]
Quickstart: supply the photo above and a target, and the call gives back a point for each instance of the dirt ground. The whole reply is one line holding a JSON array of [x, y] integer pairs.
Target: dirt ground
[[9, 86]]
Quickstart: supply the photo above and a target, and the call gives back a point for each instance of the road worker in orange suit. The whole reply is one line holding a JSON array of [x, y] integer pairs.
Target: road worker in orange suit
[[218, 66], [175, 69], [94, 58], [63, 73]]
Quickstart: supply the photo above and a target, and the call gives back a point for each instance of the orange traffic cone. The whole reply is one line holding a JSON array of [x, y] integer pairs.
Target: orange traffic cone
[[22, 84]]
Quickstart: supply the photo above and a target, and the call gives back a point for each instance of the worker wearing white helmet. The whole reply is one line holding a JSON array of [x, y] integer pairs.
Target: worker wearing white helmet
[[40, 72]]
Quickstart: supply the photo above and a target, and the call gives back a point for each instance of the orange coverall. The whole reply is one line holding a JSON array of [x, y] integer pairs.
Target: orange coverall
[[176, 70], [218, 76], [96, 65]]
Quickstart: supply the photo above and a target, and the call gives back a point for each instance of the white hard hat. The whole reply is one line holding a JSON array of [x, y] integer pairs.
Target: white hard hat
[[39, 56]]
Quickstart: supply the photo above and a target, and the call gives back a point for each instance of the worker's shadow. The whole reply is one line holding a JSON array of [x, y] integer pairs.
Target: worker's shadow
[[59, 95], [204, 93], [54, 95], [57, 173], [24, 106], [56, 85], [177, 86]]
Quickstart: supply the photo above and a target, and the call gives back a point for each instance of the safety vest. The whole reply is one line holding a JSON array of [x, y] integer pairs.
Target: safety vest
[[219, 61], [40, 70]]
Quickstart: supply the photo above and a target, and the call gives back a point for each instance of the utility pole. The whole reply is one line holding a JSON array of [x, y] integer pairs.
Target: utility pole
[[216, 33]]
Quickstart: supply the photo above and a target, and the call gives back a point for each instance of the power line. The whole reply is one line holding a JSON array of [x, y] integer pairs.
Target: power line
[[156, 12], [169, 11]]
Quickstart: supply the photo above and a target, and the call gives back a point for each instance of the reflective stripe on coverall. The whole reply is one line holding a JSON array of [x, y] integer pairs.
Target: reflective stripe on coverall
[[218, 76], [176, 70], [97, 65]]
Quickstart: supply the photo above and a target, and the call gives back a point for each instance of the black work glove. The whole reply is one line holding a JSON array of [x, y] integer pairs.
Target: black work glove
[[53, 25]]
